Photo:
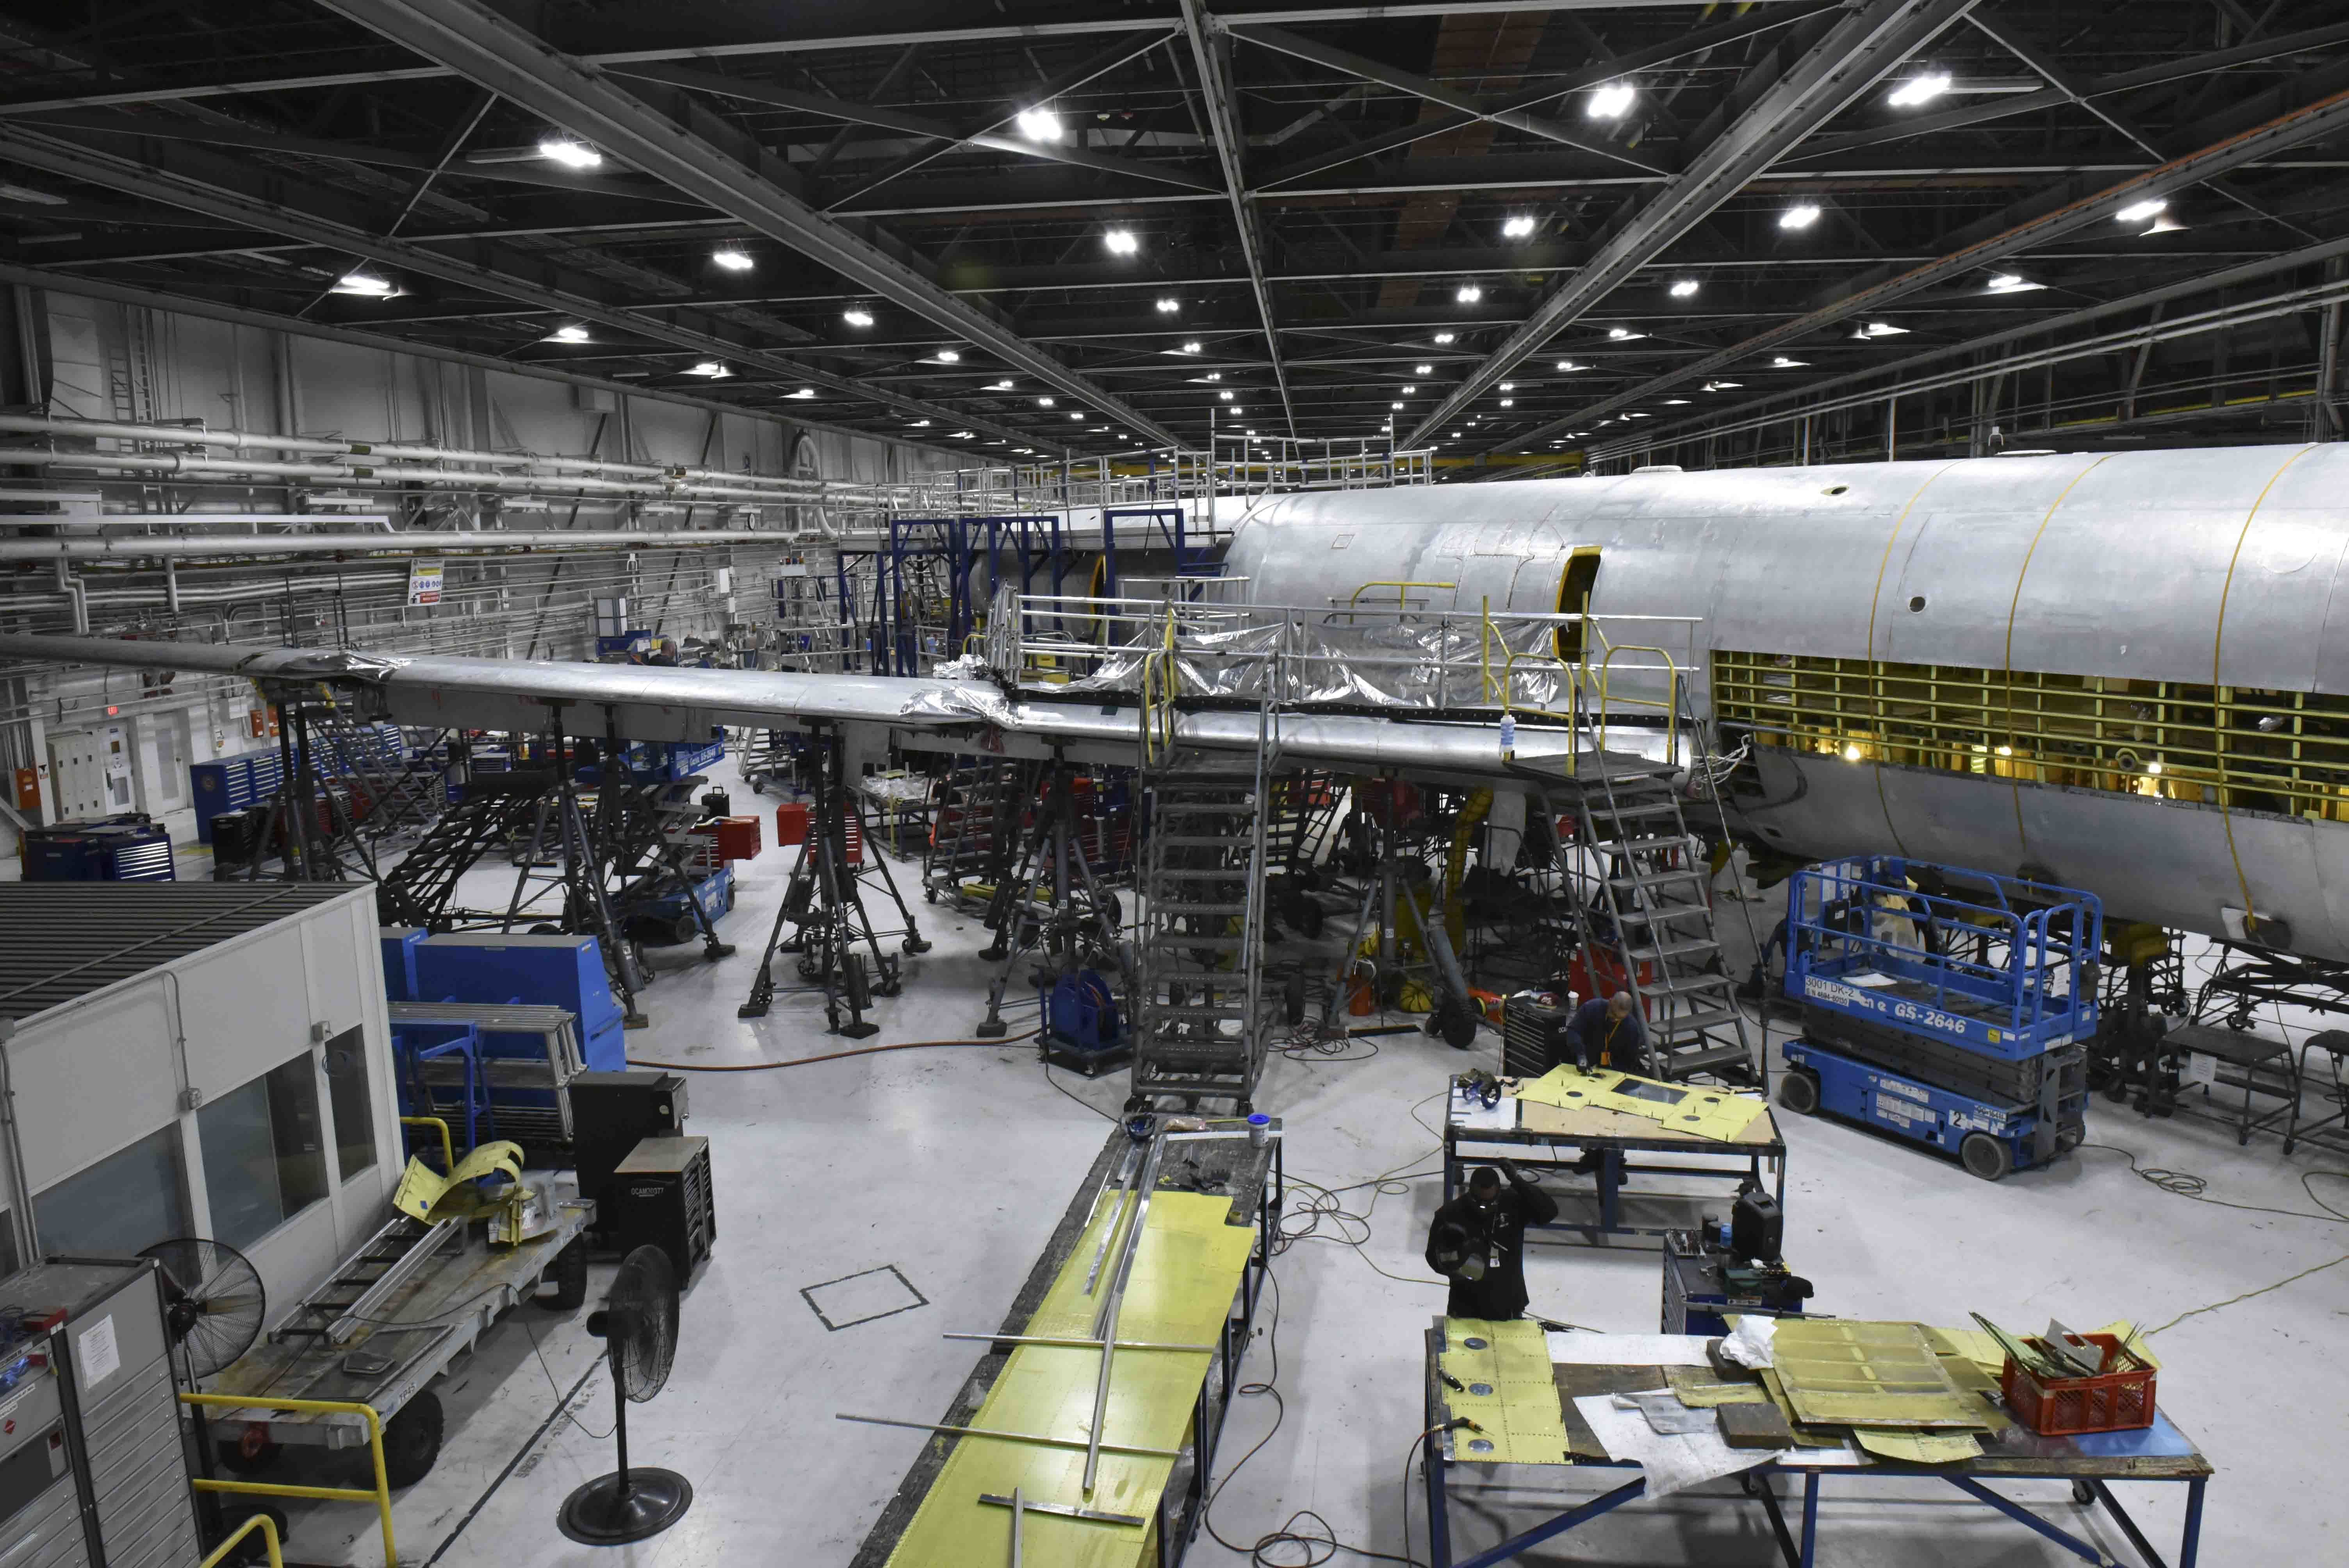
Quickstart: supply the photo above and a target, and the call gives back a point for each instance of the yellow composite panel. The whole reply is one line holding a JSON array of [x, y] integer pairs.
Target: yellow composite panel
[[1186, 1269], [1919, 1448], [1521, 1416], [1837, 1371], [1715, 1114]]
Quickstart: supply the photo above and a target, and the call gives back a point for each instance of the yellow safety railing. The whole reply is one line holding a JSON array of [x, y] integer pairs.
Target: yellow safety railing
[[261, 1522], [1159, 670], [1670, 703], [380, 1495], [448, 1145]]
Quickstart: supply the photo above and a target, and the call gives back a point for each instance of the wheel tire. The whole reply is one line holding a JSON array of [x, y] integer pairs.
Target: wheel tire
[[1292, 997], [234, 1457], [1986, 1156], [2081, 1492], [411, 1440], [1799, 1091], [569, 1275], [1309, 919], [1460, 1030]]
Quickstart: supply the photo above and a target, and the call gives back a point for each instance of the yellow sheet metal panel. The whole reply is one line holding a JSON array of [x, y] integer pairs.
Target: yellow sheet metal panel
[[1692, 1111], [1508, 1390], [1837, 1371], [1186, 1269]]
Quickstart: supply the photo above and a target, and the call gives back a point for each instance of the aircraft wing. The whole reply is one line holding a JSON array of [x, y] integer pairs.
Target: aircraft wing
[[650, 703]]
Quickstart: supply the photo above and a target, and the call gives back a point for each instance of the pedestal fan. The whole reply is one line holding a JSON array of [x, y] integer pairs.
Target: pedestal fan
[[637, 1324]]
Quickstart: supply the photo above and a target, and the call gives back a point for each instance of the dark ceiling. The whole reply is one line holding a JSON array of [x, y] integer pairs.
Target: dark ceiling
[[1420, 197]]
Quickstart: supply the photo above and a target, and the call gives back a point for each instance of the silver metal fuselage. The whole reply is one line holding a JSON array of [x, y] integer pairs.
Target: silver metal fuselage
[[2218, 568]]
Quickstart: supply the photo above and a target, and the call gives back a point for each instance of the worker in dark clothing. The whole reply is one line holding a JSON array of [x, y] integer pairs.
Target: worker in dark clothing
[[1477, 1242], [1609, 1034], [664, 653]]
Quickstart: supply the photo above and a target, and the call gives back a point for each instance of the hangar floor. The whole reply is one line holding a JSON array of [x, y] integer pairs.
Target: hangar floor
[[952, 1165]]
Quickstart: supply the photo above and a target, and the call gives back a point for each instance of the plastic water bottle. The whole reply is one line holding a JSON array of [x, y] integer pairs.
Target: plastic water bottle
[[1508, 734]]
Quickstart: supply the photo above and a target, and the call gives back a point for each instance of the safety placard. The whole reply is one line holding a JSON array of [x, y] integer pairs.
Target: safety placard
[[424, 582]]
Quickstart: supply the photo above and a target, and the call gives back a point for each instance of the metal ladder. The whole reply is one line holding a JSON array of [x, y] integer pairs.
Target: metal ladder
[[1199, 1032], [1653, 891], [367, 1280], [974, 831], [397, 799]]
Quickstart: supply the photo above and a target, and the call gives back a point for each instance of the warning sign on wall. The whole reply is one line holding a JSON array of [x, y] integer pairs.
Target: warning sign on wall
[[424, 582]]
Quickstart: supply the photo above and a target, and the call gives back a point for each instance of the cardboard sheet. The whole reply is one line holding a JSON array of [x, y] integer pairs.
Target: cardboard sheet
[[1694, 1111], [1919, 1448], [1670, 1463]]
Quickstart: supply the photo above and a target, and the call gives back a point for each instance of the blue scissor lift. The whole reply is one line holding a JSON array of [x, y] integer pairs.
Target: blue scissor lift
[[1948, 1008]]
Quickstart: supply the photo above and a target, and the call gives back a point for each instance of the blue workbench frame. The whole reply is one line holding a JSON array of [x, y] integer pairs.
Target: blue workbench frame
[[1760, 1484]]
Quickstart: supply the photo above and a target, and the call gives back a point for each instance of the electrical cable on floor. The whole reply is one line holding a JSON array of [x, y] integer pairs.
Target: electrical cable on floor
[[1073, 1094], [2183, 1184], [1316, 1550], [827, 1057], [563, 1404]]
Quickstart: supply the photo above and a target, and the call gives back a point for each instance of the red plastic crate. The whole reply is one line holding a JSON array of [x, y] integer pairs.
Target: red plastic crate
[[2114, 1401]]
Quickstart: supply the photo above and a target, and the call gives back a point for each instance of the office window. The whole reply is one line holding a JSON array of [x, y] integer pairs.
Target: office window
[[265, 1157], [131, 1200], [347, 1091]]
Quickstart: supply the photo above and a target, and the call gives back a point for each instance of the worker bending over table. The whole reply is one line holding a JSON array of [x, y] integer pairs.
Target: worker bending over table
[[1608, 1033], [1477, 1242]]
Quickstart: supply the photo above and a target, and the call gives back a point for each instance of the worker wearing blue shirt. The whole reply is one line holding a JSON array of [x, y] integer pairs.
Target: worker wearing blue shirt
[[1609, 1034]]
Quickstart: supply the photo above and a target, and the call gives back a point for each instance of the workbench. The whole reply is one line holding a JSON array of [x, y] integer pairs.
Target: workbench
[[2091, 1463], [1533, 1134], [936, 1519]]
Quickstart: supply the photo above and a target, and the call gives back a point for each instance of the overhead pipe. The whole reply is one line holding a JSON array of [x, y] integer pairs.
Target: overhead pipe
[[201, 467], [390, 451], [489, 541]]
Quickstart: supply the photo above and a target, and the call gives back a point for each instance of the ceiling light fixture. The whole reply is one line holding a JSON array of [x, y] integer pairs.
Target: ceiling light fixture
[[1509, 402], [1445, 337], [1121, 242], [804, 392], [1609, 101], [999, 386], [1801, 216], [1685, 287], [1508, 385], [2011, 282], [711, 368], [1043, 402], [1409, 388], [1076, 416], [733, 260], [1192, 346], [1226, 395], [1919, 90], [2138, 212], [569, 153], [1467, 294], [1881, 329], [1517, 226], [366, 285], [1783, 363], [1569, 365], [1039, 125], [949, 356], [921, 425], [1422, 370], [1169, 306], [1720, 386], [572, 334], [856, 316], [2165, 224], [1623, 334], [1675, 402], [1394, 405]]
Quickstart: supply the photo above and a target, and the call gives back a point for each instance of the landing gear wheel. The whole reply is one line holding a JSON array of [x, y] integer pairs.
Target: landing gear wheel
[[411, 1440], [1986, 1156], [2081, 1492], [569, 1277], [1798, 1090]]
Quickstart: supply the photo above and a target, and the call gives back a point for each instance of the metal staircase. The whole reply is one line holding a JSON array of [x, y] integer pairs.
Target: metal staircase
[[1199, 1032], [1652, 893]]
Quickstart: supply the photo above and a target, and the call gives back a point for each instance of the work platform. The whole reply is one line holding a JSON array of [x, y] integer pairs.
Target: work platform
[[1198, 1274]]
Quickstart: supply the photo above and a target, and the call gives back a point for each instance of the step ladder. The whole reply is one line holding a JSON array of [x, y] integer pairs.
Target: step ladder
[[363, 1285], [1652, 882], [397, 799], [1199, 1032], [973, 833]]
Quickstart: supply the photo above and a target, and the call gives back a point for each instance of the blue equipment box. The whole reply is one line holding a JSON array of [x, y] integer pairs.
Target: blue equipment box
[[684, 759], [127, 848], [552, 971]]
